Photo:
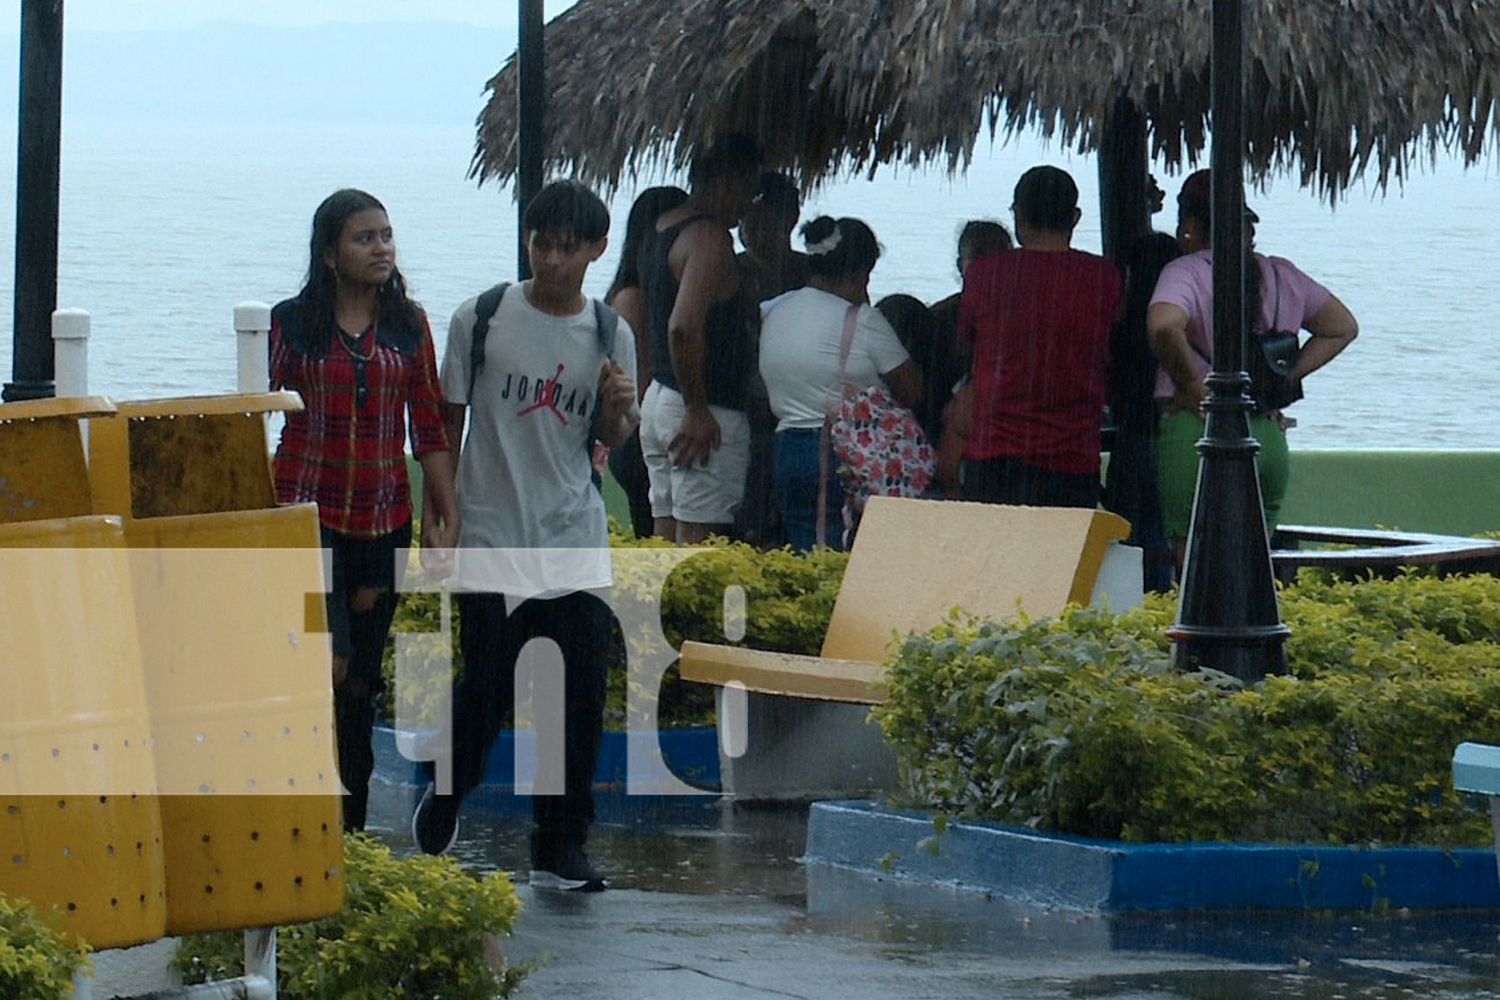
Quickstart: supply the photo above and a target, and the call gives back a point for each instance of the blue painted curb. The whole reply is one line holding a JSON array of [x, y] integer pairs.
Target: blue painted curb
[[691, 754], [1111, 876]]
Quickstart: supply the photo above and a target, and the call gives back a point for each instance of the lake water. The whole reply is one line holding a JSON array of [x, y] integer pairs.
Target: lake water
[[166, 225]]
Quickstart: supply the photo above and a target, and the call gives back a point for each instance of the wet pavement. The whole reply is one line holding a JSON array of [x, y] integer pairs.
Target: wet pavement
[[712, 902]]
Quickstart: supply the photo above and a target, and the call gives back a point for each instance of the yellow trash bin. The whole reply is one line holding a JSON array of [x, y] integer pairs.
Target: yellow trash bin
[[236, 660], [79, 829]]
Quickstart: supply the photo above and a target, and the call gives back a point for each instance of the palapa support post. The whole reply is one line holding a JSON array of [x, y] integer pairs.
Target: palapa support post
[[531, 118], [1123, 169], [1228, 617], [38, 170]]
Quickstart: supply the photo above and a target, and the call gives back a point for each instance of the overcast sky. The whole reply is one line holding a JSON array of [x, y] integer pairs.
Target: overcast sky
[[124, 15]]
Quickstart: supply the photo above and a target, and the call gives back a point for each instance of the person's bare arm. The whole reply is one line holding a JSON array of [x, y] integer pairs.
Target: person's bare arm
[[1333, 328], [958, 417], [439, 503], [631, 305], [1167, 331], [905, 382], [708, 275], [440, 520], [453, 423]]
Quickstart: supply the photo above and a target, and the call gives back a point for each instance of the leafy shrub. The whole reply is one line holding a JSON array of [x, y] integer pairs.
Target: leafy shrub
[[1082, 724], [788, 596], [36, 963], [415, 928], [788, 599]]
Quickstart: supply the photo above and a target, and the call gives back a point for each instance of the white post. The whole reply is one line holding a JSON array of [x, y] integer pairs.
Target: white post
[[83, 985], [252, 325], [260, 955], [70, 352]]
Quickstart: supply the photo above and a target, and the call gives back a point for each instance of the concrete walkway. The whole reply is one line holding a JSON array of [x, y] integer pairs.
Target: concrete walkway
[[714, 903]]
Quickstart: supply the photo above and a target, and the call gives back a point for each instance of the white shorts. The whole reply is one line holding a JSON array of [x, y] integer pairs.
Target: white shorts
[[704, 494]]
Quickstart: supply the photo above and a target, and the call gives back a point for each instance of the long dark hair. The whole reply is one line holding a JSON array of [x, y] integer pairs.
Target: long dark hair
[[649, 206], [1131, 371], [933, 349], [1195, 201], [318, 287]]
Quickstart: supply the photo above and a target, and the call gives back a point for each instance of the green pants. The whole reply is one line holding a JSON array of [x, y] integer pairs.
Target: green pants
[[1177, 467]]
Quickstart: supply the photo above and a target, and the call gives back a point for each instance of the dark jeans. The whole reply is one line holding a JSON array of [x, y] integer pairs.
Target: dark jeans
[[1007, 480], [360, 636], [798, 470], [629, 470], [484, 697], [758, 520], [1130, 490]]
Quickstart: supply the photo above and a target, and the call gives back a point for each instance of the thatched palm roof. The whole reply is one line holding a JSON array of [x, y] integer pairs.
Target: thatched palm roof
[[1336, 87], [632, 83]]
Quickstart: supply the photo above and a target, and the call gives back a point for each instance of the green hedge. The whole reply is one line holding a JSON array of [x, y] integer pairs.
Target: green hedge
[[788, 600], [36, 963], [1082, 724]]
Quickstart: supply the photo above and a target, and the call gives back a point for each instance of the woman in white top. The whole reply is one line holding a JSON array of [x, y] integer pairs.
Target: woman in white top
[[801, 341]]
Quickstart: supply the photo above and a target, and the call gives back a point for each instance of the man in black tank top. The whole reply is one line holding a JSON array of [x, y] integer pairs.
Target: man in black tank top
[[694, 433]]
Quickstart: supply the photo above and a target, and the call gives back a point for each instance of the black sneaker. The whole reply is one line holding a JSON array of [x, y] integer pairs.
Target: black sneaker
[[565, 869], [434, 824]]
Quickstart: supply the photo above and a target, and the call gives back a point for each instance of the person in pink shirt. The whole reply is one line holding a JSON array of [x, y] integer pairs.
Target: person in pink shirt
[[1179, 324]]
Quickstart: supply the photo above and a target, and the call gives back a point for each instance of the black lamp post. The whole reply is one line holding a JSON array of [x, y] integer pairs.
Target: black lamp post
[[38, 166], [531, 117], [1228, 617]]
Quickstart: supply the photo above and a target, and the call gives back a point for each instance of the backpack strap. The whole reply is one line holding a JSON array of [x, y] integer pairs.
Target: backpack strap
[[606, 321], [484, 309]]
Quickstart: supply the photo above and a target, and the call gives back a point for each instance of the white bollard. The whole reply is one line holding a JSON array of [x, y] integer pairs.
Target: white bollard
[[70, 352], [252, 325], [260, 955]]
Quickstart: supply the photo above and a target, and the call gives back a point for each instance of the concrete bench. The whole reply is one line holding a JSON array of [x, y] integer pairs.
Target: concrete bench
[[1476, 769], [794, 727], [1383, 553]]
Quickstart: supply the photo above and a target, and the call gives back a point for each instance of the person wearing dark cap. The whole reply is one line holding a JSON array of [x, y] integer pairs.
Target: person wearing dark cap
[[769, 267], [1179, 324], [1038, 318], [695, 436]]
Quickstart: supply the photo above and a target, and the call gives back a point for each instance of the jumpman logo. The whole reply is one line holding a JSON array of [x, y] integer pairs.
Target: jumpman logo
[[549, 397]]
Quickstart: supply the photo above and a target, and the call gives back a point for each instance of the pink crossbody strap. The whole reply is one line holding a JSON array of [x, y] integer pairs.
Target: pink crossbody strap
[[851, 317]]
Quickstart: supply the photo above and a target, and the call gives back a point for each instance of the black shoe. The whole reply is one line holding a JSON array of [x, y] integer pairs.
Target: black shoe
[[565, 869], [434, 825]]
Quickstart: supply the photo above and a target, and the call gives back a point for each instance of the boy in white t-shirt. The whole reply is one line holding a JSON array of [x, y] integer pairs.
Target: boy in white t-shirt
[[533, 558]]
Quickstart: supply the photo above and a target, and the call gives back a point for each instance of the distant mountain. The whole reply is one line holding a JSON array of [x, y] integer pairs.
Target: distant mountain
[[397, 72]]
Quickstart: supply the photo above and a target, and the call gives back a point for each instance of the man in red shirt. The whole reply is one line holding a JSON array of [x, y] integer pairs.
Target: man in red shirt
[[1038, 318]]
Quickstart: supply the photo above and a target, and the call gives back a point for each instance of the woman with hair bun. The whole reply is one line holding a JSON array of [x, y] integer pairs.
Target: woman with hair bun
[[802, 343]]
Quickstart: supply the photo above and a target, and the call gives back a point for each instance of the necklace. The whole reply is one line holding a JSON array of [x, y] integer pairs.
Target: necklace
[[351, 344]]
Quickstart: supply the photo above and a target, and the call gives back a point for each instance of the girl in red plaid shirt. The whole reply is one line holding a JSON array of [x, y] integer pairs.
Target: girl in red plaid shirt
[[360, 353]]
